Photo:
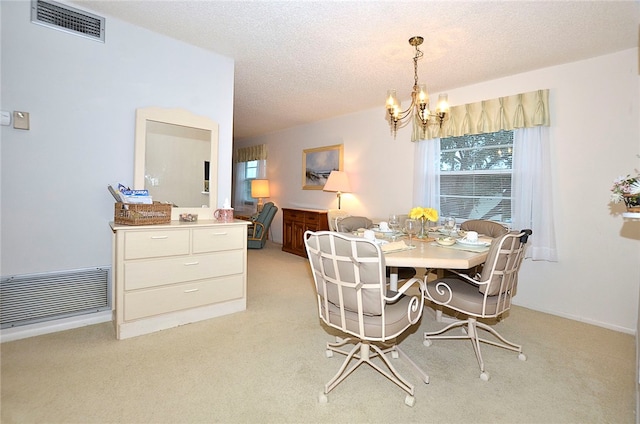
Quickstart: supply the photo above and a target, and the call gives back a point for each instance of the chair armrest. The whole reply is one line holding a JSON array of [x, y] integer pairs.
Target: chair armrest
[[406, 286], [256, 225], [416, 304], [467, 278]]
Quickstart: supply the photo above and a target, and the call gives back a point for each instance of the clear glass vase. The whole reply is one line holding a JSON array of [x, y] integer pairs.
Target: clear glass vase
[[423, 229]]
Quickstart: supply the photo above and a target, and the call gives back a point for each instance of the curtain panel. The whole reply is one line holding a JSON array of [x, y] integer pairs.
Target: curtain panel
[[524, 110], [247, 154]]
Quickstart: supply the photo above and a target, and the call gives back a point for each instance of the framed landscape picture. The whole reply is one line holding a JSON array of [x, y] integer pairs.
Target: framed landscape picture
[[318, 163]]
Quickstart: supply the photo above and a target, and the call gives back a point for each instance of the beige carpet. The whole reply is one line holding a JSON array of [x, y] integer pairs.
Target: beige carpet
[[267, 365]]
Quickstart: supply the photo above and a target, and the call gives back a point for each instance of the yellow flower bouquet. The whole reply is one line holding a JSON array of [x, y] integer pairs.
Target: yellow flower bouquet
[[423, 214]]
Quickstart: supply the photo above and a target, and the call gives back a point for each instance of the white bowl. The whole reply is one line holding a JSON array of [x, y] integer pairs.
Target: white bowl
[[446, 241]]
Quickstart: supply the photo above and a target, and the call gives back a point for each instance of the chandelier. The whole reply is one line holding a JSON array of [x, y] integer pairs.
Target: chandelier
[[419, 109]]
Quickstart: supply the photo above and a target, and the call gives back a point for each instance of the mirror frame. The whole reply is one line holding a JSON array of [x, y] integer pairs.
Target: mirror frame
[[186, 119]]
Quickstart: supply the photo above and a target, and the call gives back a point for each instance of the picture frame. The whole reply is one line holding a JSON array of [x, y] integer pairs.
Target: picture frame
[[318, 163]]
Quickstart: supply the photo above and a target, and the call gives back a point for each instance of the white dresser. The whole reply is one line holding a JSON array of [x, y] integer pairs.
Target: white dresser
[[174, 274]]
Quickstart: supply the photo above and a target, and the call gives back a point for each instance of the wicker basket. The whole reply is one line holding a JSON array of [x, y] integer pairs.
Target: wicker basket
[[632, 201], [134, 214]]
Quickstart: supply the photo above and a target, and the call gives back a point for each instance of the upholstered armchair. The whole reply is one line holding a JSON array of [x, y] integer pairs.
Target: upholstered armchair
[[259, 229]]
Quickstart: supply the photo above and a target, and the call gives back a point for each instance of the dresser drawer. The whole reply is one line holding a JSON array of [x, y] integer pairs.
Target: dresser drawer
[[215, 239], [152, 273], [155, 243], [146, 303], [312, 219], [294, 215]]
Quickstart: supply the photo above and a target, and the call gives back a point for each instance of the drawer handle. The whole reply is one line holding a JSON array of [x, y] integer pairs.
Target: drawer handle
[[191, 290], [159, 237], [220, 234], [191, 263]]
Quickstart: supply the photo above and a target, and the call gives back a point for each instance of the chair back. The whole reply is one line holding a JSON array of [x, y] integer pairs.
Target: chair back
[[333, 216], [349, 276], [265, 217], [500, 272], [350, 224], [257, 236], [488, 228]]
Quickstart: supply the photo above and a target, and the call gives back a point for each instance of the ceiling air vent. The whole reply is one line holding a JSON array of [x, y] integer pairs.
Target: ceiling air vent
[[65, 18]]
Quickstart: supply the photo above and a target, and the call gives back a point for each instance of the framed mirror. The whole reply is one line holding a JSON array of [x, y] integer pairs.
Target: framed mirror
[[176, 158]]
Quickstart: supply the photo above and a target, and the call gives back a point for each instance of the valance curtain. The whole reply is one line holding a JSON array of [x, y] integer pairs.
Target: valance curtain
[[524, 110], [247, 154]]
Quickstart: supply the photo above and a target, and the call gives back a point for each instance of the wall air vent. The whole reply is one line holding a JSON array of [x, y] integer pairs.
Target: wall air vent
[[65, 18]]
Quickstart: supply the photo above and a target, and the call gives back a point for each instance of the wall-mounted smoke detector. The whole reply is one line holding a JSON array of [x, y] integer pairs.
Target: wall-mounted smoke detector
[[68, 19]]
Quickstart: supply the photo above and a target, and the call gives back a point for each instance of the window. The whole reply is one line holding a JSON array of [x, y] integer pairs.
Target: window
[[245, 173], [250, 173], [475, 176]]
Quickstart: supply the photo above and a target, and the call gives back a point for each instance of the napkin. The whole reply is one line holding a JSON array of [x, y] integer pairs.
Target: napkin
[[394, 246]]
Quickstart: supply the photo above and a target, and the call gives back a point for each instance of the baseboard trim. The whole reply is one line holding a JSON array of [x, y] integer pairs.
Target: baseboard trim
[[38, 329], [620, 329]]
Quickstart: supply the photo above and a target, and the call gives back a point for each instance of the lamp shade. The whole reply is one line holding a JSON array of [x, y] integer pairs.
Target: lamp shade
[[260, 188], [337, 181]]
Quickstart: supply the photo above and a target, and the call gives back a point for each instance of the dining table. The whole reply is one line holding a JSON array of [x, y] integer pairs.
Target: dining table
[[430, 255]]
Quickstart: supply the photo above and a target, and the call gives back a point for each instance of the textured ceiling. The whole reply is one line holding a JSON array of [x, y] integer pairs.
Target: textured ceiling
[[302, 61]]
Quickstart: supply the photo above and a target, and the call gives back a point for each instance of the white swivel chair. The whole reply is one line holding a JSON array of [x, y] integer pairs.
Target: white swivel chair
[[487, 296], [351, 291]]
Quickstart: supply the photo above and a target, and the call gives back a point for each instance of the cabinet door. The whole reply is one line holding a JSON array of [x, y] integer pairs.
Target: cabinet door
[[287, 234], [298, 229]]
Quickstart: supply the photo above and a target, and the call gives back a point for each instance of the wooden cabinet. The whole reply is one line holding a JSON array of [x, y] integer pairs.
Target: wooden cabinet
[[295, 222], [174, 274]]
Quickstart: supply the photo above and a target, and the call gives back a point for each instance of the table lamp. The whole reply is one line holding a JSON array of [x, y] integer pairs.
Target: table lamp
[[338, 181], [259, 190]]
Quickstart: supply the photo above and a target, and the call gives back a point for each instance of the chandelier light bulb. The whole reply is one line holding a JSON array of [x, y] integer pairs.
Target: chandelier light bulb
[[391, 99], [443, 103], [423, 96]]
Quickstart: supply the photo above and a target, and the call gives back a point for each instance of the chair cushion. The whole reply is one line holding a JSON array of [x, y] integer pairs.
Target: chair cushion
[[352, 223], [369, 275], [497, 250], [464, 296], [396, 317], [481, 226]]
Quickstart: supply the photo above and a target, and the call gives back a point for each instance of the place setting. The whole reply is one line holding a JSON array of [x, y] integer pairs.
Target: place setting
[[470, 241], [387, 234], [450, 235]]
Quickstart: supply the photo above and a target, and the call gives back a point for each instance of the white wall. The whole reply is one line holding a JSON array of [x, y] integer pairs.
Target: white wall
[[595, 136], [82, 96]]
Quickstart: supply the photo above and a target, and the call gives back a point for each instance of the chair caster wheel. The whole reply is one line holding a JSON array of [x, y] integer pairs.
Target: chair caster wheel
[[395, 354], [484, 376], [410, 401], [427, 342], [522, 357], [328, 353], [322, 398]]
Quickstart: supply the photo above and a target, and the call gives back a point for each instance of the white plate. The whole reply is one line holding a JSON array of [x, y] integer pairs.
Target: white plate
[[378, 230], [380, 242], [473, 243]]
